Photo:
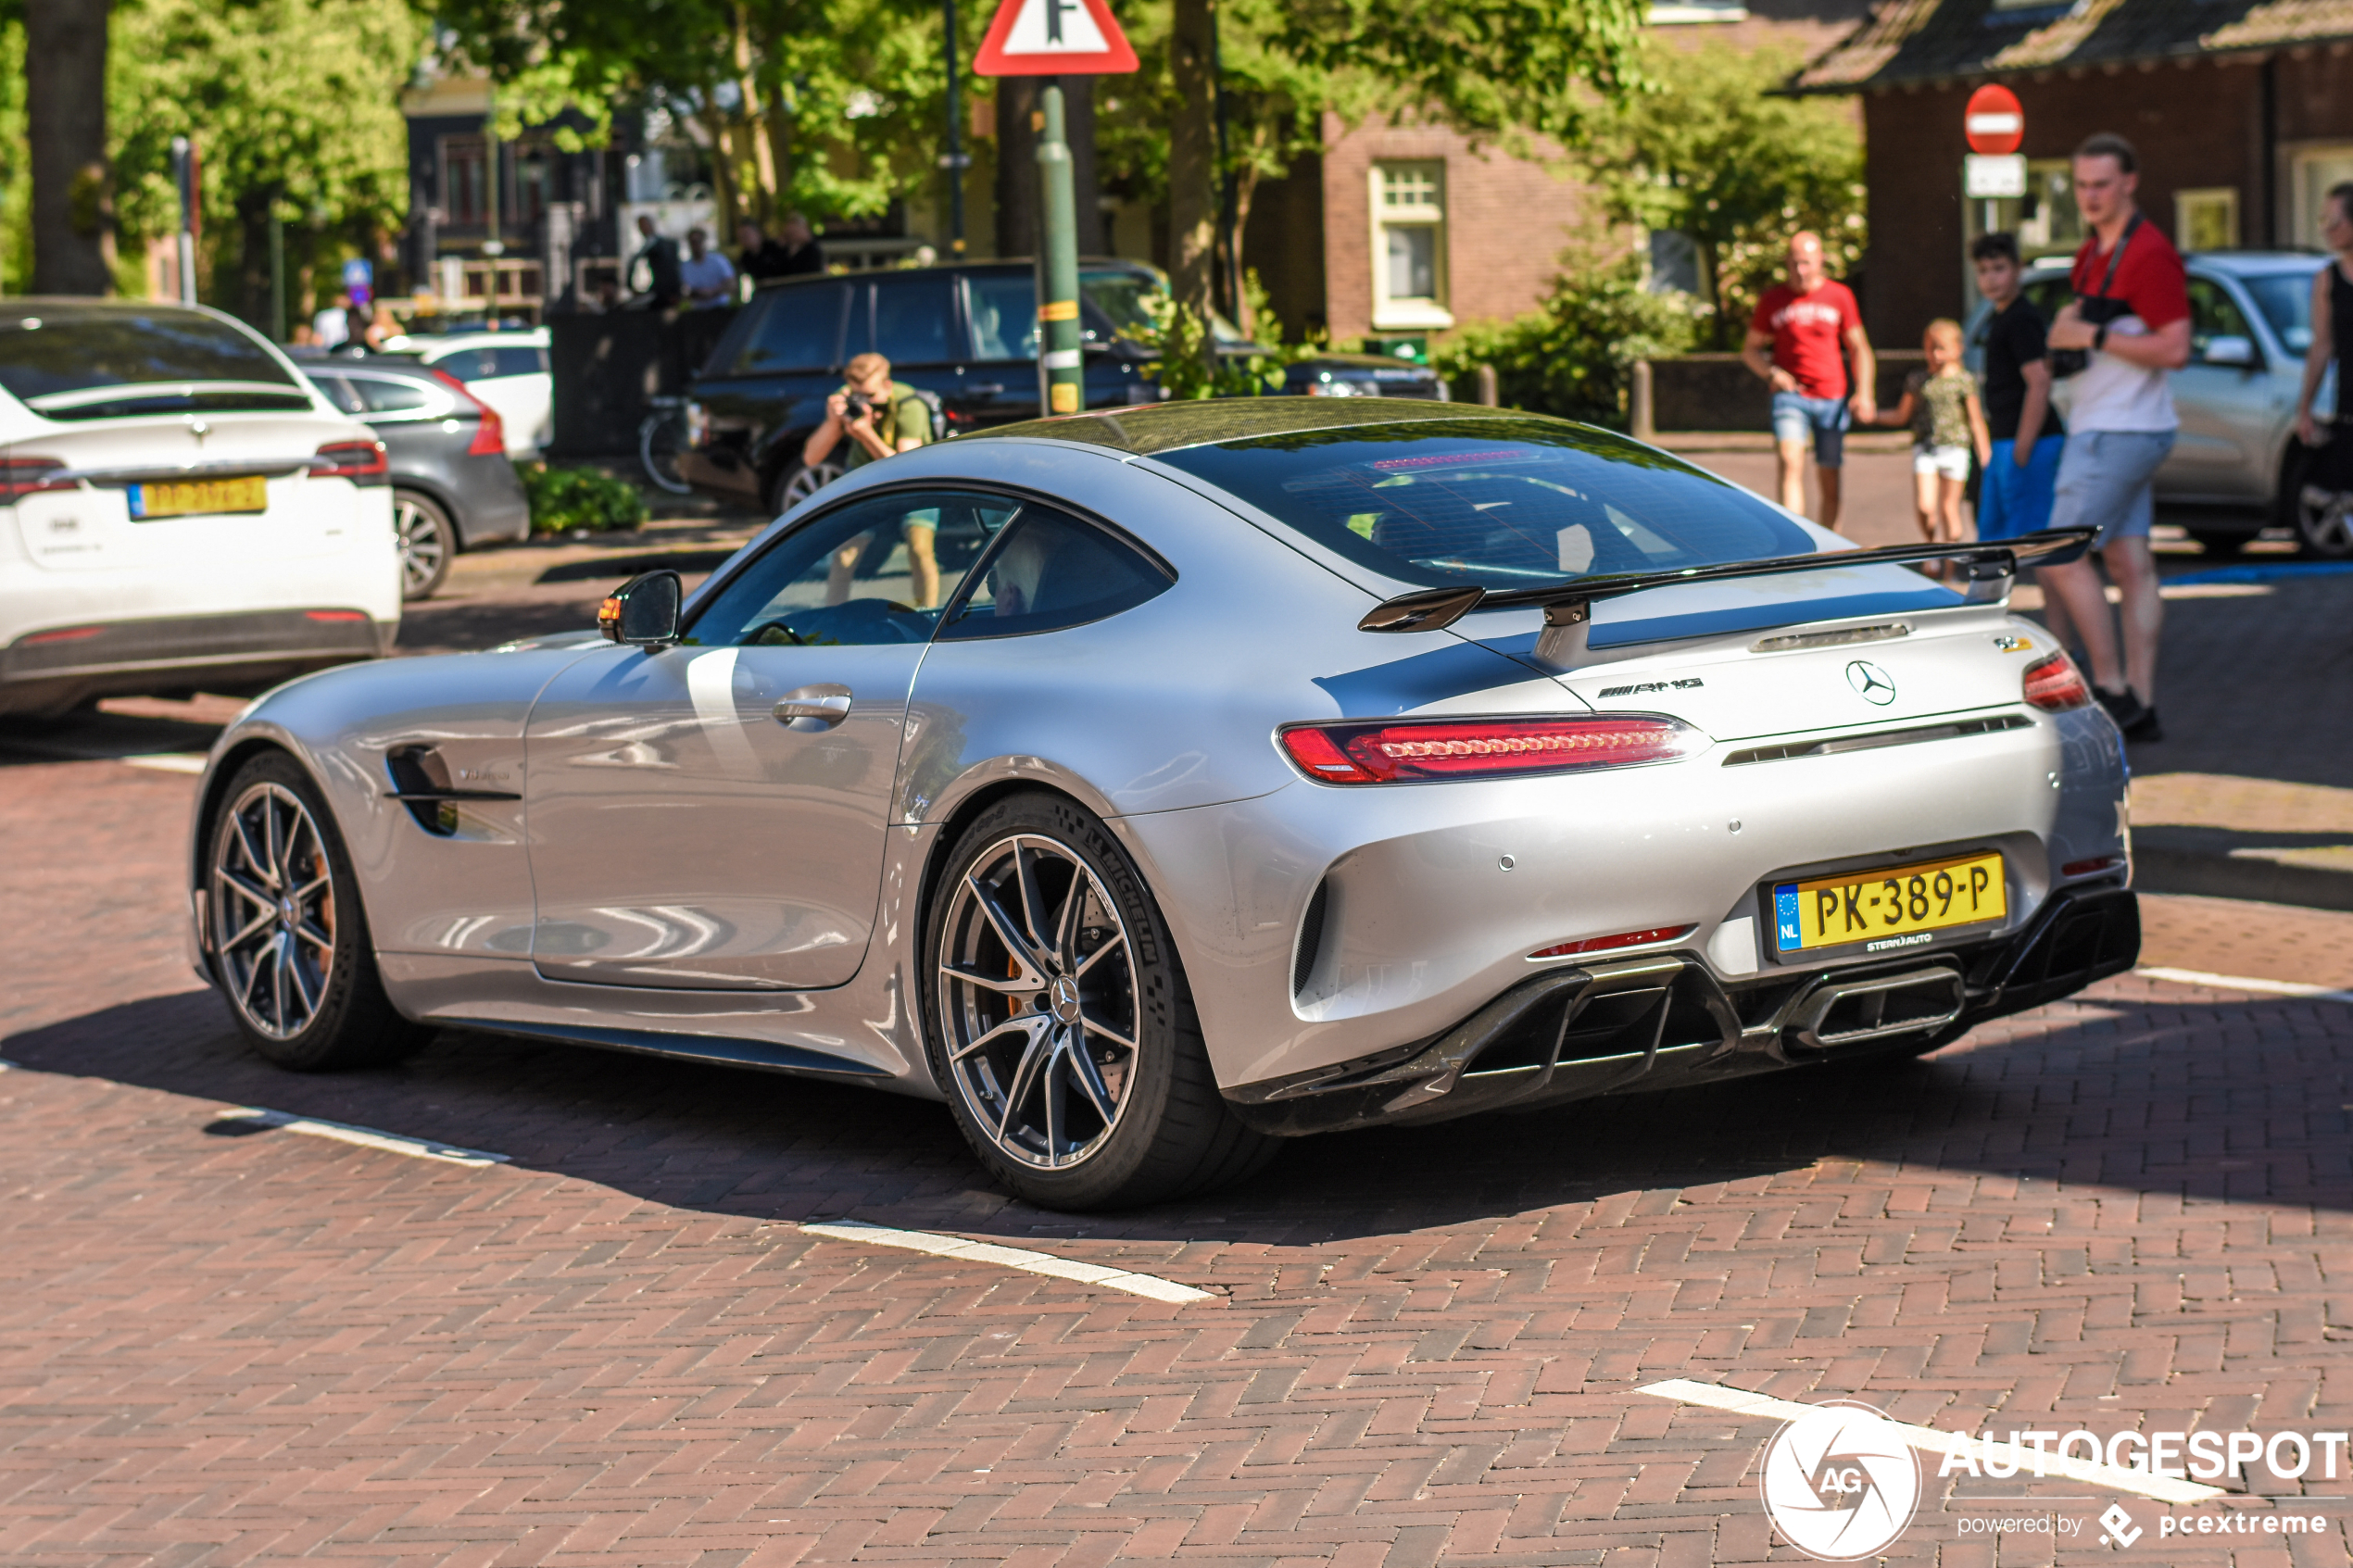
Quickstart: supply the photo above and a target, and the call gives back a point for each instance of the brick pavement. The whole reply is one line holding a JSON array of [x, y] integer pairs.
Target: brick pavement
[[2129, 1209]]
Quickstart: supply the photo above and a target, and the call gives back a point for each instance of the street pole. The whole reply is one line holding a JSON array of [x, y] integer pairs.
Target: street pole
[[1061, 361], [277, 274], [955, 161], [1229, 273], [183, 177]]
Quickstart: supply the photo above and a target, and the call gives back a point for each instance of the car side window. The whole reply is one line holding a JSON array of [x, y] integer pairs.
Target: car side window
[[913, 318], [1005, 311], [469, 364], [338, 392], [2213, 313], [798, 329], [382, 395], [874, 569], [527, 360], [1053, 572]]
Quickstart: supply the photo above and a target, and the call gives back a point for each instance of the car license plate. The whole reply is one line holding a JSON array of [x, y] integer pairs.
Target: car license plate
[[1891, 908], [188, 498]]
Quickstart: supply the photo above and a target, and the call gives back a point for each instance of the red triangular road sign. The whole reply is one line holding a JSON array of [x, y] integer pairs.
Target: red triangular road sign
[[1053, 38]]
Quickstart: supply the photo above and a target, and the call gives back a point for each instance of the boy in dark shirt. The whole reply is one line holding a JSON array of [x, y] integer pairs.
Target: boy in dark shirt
[[2022, 479]]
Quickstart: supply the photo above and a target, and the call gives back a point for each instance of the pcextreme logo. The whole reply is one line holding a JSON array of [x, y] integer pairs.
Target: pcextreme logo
[[1840, 1481]]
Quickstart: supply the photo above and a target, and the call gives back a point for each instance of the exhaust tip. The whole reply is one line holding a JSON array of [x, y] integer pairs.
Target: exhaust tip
[[1838, 1013]]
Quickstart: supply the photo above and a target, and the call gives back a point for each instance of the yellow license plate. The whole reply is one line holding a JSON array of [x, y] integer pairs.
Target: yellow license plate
[[1889, 909], [189, 497]]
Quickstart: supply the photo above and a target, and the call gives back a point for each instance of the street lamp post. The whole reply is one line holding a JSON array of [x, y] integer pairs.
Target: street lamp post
[[184, 178], [955, 161]]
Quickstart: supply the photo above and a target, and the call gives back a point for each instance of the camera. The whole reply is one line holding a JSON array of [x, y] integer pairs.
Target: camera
[[857, 406]]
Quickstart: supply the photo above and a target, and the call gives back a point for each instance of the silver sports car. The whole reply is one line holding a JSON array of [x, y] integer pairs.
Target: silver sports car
[[1151, 785]]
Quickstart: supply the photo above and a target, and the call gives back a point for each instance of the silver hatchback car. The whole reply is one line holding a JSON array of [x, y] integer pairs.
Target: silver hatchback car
[[1244, 770], [2236, 465]]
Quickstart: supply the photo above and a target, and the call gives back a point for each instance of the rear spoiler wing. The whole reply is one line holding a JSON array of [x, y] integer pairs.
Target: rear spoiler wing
[[1989, 568]]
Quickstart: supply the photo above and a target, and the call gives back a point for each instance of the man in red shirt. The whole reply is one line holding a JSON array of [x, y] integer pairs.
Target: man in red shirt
[[1804, 322], [2131, 314]]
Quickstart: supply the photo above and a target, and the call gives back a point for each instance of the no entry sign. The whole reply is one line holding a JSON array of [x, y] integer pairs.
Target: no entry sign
[[1993, 121], [1053, 38]]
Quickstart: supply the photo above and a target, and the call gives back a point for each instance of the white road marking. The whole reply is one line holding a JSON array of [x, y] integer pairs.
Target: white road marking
[[1012, 1258], [366, 1138], [2241, 983], [2163, 1489], [169, 762]]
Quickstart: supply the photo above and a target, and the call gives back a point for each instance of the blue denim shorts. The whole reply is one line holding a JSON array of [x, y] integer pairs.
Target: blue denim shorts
[[1794, 414], [2106, 481]]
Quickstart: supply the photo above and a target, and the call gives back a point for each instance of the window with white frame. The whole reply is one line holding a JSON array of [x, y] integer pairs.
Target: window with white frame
[[2206, 220], [1409, 246], [2315, 170]]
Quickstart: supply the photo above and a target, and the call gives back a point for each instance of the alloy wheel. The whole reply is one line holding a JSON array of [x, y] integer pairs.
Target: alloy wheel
[[424, 546], [804, 482], [272, 910], [2325, 519], [1038, 1000]]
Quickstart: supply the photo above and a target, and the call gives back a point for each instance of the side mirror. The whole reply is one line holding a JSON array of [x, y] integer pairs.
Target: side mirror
[[643, 612], [2234, 351]]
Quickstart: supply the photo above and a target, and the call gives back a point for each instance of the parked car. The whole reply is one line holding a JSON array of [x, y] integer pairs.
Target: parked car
[[1256, 768], [2236, 463], [508, 370], [968, 335], [453, 486], [179, 508]]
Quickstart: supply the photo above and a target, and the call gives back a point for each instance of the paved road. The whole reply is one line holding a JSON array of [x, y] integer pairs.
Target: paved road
[[224, 1344]]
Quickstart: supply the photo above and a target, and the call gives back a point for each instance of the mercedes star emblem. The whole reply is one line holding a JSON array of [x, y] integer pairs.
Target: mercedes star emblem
[[1870, 682]]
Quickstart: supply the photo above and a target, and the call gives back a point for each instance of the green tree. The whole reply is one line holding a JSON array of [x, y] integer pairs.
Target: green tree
[[833, 105], [1714, 154], [1572, 356], [294, 105]]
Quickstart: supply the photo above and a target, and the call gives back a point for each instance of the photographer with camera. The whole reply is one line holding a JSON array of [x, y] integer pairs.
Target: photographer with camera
[[881, 418], [2128, 327]]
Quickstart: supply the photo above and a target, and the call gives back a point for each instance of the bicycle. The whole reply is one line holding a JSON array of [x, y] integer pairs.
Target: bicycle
[[660, 437]]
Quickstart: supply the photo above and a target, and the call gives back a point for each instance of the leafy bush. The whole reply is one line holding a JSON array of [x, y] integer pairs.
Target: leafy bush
[[563, 500], [1572, 356]]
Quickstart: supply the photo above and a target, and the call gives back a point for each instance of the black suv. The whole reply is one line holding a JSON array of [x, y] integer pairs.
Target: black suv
[[968, 333]]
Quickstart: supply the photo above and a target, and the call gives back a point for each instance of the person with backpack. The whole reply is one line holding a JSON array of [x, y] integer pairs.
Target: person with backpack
[[881, 418], [2127, 330]]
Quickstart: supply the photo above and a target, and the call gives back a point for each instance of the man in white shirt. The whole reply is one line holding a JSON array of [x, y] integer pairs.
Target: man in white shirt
[[707, 277], [331, 327]]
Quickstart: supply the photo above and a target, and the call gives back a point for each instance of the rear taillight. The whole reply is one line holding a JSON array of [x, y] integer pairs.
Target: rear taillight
[[363, 462], [490, 436], [2055, 685], [31, 476], [1395, 753]]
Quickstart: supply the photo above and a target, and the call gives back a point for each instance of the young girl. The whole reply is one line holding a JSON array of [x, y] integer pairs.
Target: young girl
[[1948, 424]]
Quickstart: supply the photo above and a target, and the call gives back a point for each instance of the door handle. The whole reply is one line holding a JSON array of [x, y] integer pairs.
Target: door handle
[[813, 708], [988, 387]]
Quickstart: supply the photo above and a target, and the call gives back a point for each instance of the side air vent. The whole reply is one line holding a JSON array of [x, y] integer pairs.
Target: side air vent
[[1311, 937]]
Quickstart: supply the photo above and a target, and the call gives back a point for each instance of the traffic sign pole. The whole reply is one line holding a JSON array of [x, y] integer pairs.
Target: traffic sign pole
[[1060, 359]]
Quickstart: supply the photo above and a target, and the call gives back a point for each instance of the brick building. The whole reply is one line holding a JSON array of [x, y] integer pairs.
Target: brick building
[[1404, 229], [2242, 111]]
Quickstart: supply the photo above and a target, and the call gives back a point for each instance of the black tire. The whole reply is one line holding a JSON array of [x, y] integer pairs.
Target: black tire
[[1169, 1132], [2219, 543], [799, 481], [428, 541], [346, 1021]]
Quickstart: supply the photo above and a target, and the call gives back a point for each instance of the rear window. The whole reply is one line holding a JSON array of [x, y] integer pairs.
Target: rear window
[[68, 361], [1498, 502], [787, 329]]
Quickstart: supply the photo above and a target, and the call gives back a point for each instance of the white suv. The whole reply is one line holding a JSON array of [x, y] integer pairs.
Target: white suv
[[180, 508]]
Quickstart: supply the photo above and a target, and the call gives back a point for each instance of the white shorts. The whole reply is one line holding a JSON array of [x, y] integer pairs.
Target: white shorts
[[1950, 461]]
